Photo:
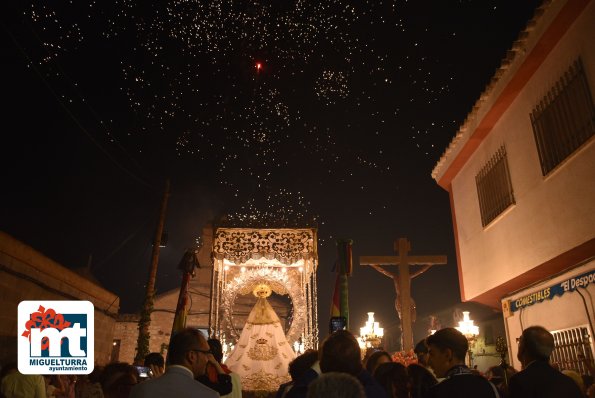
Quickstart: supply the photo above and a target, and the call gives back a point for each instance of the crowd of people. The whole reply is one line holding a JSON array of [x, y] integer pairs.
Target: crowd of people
[[195, 369], [440, 371]]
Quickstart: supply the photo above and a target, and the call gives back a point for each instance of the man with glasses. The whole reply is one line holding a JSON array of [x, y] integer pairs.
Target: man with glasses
[[188, 357], [538, 378]]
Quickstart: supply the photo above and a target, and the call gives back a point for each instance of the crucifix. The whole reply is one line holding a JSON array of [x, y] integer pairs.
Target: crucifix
[[402, 281]]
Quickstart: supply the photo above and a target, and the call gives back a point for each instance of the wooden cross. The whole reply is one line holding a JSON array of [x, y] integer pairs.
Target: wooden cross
[[402, 281]]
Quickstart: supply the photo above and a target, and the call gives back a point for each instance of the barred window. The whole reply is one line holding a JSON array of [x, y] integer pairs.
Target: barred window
[[571, 345], [564, 119], [494, 187]]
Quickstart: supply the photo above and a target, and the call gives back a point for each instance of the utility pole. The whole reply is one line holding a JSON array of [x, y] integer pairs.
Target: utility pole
[[142, 346]]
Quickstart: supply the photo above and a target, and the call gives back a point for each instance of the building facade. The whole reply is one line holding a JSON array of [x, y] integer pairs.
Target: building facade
[[26, 274], [521, 177]]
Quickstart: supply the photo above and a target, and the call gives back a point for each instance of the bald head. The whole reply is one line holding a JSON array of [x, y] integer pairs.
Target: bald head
[[536, 344]]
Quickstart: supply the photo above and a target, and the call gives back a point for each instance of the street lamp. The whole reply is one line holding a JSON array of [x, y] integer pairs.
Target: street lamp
[[470, 331], [370, 336]]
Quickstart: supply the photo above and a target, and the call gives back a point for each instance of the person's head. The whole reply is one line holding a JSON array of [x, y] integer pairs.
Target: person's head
[[302, 363], [392, 376], [96, 374], [340, 352], [421, 351], [155, 359], [117, 379], [420, 379], [216, 349], [375, 359], [446, 348], [189, 348], [535, 344], [336, 385]]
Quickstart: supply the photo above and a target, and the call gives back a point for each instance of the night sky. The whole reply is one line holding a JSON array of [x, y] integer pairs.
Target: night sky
[[281, 113]]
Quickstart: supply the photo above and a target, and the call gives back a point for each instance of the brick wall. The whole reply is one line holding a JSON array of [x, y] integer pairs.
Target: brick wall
[[26, 274]]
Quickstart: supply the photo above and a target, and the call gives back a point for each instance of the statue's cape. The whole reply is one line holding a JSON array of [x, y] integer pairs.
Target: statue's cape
[[261, 356], [262, 313]]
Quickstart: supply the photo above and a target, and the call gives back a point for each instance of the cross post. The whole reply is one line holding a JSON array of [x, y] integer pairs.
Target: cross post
[[402, 281]]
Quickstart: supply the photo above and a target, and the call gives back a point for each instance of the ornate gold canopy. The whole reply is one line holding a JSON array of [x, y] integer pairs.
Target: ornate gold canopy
[[284, 259]]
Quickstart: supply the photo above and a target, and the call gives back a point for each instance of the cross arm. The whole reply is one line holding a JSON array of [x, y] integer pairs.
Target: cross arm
[[421, 271], [426, 260], [395, 260], [382, 270], [378, 260]]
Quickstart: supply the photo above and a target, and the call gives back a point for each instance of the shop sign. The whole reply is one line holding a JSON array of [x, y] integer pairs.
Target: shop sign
[[548, 293]]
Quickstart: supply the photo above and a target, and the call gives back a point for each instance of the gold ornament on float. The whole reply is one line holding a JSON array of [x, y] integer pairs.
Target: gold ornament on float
[[262, 290]]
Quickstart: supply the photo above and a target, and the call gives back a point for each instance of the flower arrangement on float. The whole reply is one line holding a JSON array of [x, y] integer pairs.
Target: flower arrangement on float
[[404, 357]]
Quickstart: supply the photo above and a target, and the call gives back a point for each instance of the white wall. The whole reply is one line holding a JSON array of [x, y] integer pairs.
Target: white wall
[[552, 214], [561, 312]]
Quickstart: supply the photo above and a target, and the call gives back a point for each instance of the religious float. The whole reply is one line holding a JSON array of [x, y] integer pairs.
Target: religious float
[[261, 262]]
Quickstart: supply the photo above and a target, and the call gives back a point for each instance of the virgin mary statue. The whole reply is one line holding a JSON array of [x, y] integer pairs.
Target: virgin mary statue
[[262, 355]]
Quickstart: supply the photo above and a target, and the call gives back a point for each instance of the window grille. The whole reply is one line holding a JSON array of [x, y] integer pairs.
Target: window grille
[[494, 187], [564, 119], [569, 345]]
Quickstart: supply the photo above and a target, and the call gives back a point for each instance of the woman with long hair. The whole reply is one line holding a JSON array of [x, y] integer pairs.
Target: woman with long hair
[[374, 359], [392, 376], [420, 379]]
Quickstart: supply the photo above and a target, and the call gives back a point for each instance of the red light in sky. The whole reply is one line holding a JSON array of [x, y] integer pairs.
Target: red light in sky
[[258, 66]]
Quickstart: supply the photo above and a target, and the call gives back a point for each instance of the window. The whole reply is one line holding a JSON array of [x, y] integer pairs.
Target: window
[[488, 333], [564, 119], [494, 187], [115, 355], [571, 345]]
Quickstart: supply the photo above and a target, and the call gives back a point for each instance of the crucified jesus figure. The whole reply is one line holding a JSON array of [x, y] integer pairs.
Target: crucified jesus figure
[[396, 281], [402, 281]]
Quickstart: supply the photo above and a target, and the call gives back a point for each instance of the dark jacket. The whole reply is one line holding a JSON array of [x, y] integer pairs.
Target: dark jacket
[[461, 383], [300, 386], [283, 389], [223, 385], [539, 379]]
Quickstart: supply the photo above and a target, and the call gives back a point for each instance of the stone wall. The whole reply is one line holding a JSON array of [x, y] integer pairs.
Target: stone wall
[[125, 336], [26, 274]]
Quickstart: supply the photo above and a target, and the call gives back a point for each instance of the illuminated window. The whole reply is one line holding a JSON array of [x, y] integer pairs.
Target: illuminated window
[[564, 119], [115, 355], [494, 187], [573, 349]]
